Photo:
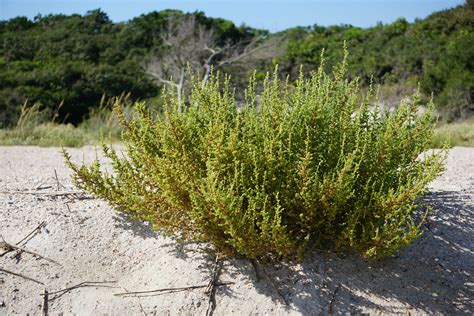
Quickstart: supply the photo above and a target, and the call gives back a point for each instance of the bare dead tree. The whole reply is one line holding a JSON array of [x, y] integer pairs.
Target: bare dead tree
[[190, 44], [185, 42]]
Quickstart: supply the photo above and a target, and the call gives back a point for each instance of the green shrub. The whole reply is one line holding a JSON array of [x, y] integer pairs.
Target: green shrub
[[299, 167]]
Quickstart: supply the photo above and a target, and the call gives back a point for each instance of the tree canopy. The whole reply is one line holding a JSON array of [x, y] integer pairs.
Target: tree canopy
[[78, 59], [437, 52]]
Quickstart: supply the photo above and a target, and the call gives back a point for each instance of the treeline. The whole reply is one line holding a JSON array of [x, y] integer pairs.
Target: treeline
[[436, 52], [77, 60]]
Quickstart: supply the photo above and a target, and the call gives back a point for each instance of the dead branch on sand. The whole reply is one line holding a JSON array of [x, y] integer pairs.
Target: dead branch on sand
[[21, 276], [96, 284], [7, 246], [169, 290], [333, 298], [58, 184], [138, 298], [45, 302], [285, 301], [27, 238], [76, 194], [33, 233], [211, 286]]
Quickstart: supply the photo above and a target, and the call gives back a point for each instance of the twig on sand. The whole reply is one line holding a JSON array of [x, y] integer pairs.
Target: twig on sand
[[138, 298], [9, 246], [254, 266], [27, 238], [333, 298], [41, 187], [57, 180], [31, 234], [78, 194], [169, 290], [211, 286], [60, 293], [285, 301], [59, 184], [51, 193], [21, 276], [45, 302]]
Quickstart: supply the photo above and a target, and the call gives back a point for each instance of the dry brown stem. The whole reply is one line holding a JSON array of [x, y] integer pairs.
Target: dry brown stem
[[9, 247], [21, 276]]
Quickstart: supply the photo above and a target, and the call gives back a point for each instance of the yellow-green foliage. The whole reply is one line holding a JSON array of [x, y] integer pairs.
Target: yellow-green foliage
[[300, 166]]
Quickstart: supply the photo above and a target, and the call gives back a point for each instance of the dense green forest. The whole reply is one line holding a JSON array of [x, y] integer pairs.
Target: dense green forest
[[78, 59], [68, 63], [436, 52]]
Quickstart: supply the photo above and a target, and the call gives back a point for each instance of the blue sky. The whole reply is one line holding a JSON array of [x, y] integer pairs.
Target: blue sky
[[274, 15]]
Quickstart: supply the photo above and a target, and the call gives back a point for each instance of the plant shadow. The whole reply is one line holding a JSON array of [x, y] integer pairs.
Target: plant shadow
[[138, 228], [181, 249], [432, 275]]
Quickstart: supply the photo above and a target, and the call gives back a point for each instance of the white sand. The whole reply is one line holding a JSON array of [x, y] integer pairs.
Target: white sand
[[92, 242]]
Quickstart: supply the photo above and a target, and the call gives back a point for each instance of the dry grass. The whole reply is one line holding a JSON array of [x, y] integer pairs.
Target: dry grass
[[455, 134]]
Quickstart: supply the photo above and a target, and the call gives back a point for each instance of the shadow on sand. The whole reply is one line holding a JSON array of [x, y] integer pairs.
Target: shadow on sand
[[433, 275]]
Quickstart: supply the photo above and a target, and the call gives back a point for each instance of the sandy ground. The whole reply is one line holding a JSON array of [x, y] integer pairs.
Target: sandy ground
[[93, 243]]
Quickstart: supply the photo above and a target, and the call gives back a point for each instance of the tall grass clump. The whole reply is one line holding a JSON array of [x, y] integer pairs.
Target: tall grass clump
[[300, 166], [38, 126], [102, 123], [455, 134]]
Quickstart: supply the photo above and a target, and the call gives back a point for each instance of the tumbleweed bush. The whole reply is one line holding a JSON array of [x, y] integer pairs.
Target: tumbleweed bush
[[299, 166]]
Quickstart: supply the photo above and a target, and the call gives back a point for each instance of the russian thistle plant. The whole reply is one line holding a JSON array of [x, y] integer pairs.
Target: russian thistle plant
[[303, 165]]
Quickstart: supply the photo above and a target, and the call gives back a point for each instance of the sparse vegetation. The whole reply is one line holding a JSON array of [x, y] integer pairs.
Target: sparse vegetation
[[454, 134], [37, 126], [305, 165]]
